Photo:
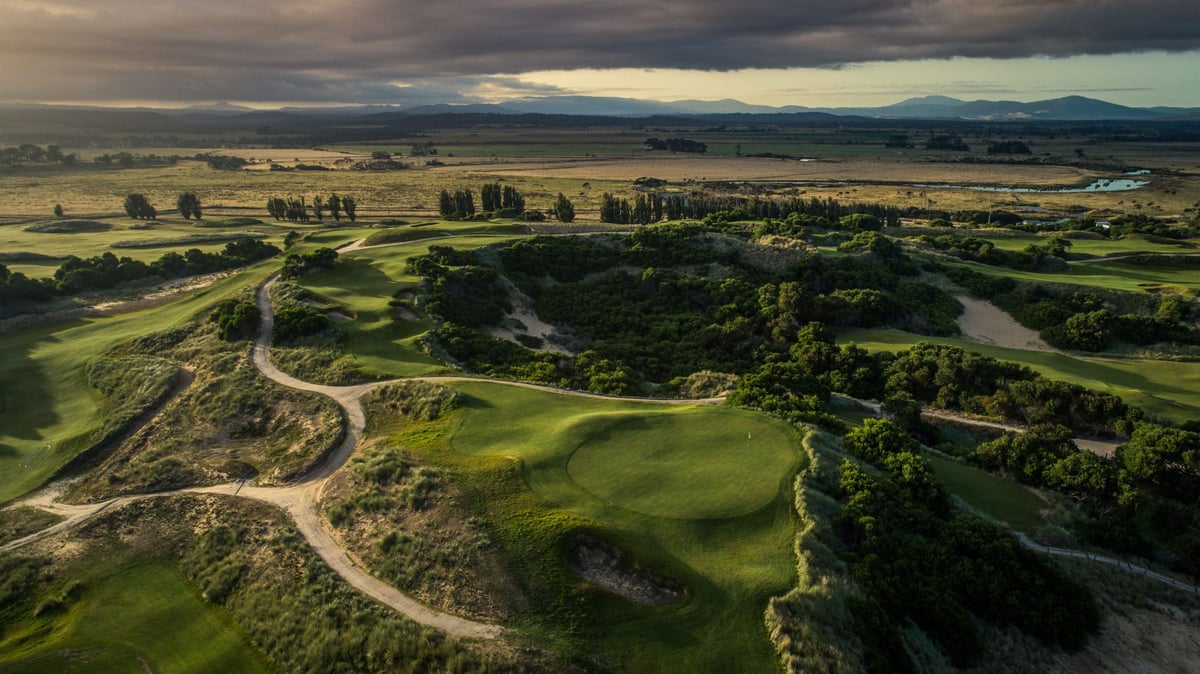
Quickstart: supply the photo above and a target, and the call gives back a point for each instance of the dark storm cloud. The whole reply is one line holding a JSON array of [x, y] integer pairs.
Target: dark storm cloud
[[324, 50]]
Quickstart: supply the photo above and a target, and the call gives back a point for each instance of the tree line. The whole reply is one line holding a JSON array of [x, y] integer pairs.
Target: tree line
[[296, 209], [76, 275]]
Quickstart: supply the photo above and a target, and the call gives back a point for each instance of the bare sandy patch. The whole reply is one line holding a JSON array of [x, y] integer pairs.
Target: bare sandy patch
[[524, 322], [985, 323]]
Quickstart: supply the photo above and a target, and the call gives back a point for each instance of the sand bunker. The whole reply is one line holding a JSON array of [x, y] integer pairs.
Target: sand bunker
[[985, 323], [602, 567]]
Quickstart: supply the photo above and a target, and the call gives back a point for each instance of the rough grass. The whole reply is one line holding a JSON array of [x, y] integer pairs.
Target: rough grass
[[811, 626], [511, 447], [69, 227], [231, 423], [162, 623], [202, 584], [20, 522], [186, 240]]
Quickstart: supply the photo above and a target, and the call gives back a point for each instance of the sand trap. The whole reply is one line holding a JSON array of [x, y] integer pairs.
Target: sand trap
[[985, 323]]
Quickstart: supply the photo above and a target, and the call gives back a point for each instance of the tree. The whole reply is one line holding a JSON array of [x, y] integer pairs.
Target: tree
[[334, 204], [350, 207], [564, 210], [189, 205], [318, 206], [58, 210], [878, 439], [139, 208]]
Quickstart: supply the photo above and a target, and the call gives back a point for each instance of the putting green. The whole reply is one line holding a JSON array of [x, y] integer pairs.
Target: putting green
[[686, 466]]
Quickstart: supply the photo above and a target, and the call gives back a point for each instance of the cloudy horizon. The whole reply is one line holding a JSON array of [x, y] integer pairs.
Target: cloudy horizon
[[814, 53]]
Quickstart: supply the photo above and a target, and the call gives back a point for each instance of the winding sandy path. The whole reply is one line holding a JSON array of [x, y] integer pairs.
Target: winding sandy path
[[1103, 559], [300, 500]]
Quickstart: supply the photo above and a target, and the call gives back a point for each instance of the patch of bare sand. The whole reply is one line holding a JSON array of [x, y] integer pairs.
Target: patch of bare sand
[[523, 322], [985, 323]]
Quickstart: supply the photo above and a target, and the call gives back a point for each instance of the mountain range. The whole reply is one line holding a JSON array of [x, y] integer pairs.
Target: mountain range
[[1073, 108]]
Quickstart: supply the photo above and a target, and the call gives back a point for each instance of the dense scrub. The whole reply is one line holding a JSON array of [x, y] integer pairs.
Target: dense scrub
[[916, 560], [667, 301]]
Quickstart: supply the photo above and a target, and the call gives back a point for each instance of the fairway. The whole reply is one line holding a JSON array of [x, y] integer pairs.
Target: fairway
[[144, 617], [687, 466], [1004, 500]]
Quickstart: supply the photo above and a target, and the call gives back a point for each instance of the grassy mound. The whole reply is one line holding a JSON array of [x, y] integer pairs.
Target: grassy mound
[[187, 240], [69, 226], [229, 222], [685, 466]]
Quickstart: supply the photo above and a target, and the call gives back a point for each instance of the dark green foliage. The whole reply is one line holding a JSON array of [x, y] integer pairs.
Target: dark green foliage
[[139, 208], [468, 296], [783, 389], [292, 209], [189, 205], [564, 210], [1008, 147], [295, 266], [461, 204], [294, 322], [878, 439], [76, 275], [916, 561], [235, 319], [1167, 459], [675, 145]]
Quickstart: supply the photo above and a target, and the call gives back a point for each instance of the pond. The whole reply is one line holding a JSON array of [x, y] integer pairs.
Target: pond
[[1100, 185]]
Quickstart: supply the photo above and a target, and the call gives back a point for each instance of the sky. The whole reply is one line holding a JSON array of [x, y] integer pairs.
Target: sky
[[815, 53]]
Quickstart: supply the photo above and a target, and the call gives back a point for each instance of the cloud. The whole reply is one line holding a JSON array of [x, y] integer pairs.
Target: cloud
[[330, 50]]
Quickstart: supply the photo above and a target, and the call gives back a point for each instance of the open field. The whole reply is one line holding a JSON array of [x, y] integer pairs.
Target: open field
[[1163, 388], [729, 564], [133, 617]]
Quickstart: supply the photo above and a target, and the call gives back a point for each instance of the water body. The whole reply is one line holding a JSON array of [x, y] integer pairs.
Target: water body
[[1101, 185]]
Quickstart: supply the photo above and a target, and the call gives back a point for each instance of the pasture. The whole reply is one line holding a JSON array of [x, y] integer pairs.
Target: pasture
[[545, 466]]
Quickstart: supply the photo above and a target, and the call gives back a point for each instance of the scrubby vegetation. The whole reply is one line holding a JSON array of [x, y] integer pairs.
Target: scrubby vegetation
[[230, 423]]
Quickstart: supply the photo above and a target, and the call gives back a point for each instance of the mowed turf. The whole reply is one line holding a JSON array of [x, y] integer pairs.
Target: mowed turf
[[364, 282], [1004, 500], [144, 617], [1163, 388], [731, 566], [685, 466]]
